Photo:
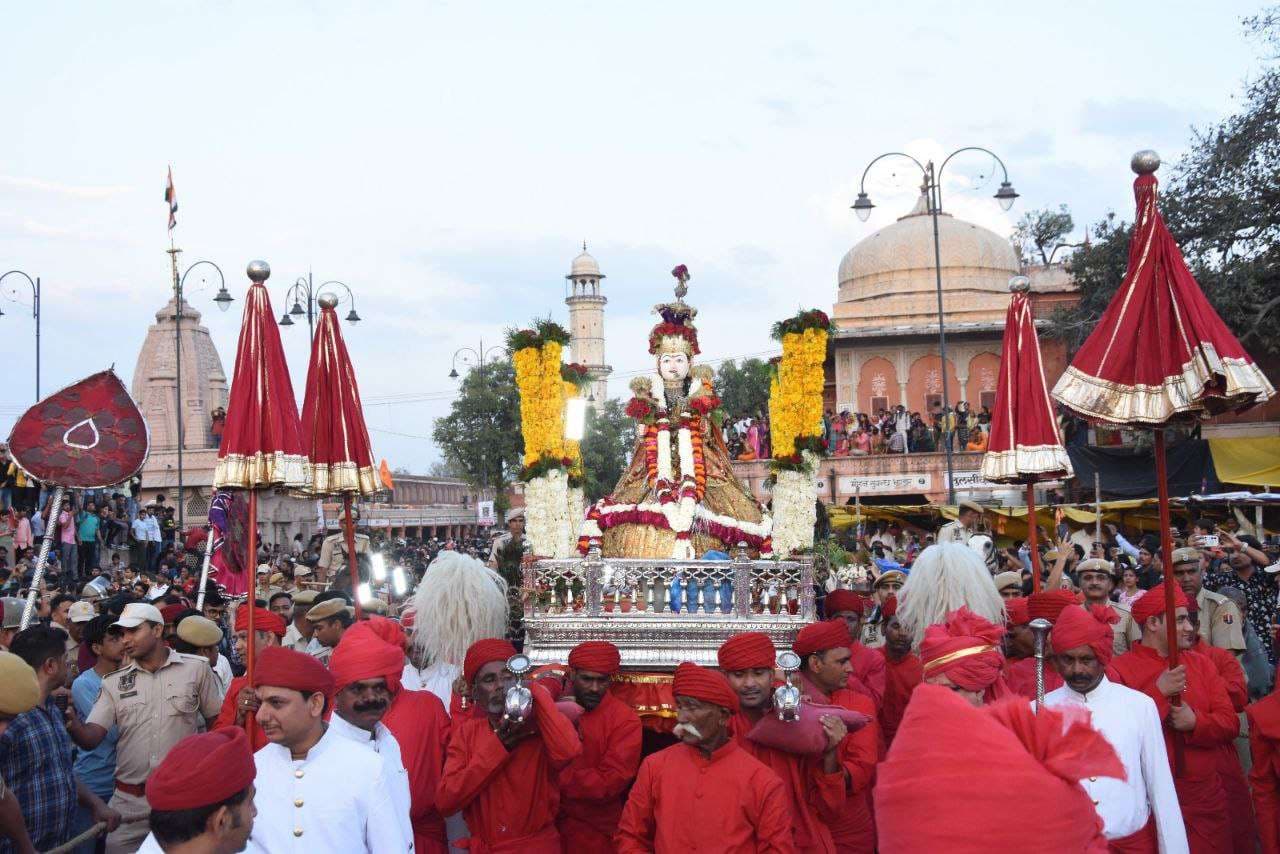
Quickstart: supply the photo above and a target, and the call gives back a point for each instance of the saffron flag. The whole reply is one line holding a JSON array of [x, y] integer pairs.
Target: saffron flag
[[171, 196], [384, 474]]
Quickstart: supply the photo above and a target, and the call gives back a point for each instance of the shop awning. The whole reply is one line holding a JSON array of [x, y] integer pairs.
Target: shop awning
[[1253, 460]]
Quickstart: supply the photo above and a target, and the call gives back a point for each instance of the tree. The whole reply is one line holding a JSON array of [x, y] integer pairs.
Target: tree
[[480, 437], [445, 468], [743, 390], [606, 448], [1221, 204], [1042, 233]]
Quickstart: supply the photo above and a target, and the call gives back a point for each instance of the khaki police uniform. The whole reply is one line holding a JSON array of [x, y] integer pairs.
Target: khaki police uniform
[[333, 552], [954, 532], [1123, 629], [1220, 623], [153, 711]]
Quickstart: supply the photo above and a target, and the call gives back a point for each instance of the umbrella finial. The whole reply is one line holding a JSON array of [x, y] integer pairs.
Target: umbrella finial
[[259, 271], [1145, 162], [1019, 284], [327, 300]]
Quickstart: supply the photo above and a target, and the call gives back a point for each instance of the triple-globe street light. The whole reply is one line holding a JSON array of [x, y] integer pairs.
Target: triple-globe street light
[[35, 313], [304, 292], [932, 190]]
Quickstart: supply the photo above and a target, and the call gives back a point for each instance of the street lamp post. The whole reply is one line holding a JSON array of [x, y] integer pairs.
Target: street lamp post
[[932, 188], [35, 312], [473, 357], [223, 299], [306, 289]]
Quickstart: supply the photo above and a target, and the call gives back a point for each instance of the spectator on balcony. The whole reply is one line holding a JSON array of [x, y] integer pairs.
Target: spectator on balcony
[[861, 443], [977, 441], [897, 443], [877, 441], [962, 427]]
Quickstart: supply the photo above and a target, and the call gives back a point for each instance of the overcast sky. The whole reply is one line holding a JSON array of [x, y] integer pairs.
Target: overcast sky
[[446, 160]]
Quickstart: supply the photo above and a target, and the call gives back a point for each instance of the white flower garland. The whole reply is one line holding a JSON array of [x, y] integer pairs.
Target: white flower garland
[[795, 509], [548, 522]]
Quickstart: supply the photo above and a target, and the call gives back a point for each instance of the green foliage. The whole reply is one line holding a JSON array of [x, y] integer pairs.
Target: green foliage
[[480, 437], [813, 318], [1041, 233], [606, 447], [743, 389], [1220, 202]]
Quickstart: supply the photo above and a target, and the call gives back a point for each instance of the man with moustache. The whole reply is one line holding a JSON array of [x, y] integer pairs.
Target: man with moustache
[[814, 784], [361, 666], [316, 790], [592, 787], [1139, 813], [1219, 621], [1097, 580], [503, 774], [705, 793]]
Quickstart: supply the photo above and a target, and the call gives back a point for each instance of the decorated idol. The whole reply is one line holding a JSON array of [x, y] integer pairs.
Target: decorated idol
[[679, 498]]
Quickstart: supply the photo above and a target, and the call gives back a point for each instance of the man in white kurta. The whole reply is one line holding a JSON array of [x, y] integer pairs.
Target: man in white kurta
[[383, 743], [1083, 643]]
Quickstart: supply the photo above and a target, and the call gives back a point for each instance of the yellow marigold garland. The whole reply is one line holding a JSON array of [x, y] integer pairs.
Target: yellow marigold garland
[[795, 398]]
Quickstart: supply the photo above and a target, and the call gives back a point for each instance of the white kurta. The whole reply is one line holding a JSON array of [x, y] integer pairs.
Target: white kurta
[[335, 799], [436, 678], [150, 846], [383, 743], [1129, 721]]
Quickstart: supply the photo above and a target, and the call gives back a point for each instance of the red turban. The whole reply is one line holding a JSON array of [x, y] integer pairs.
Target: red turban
[[1078, 627], [703, 683], [1151, 603], [816, 637], [596, 657], [841, 600], [280, 667], [263, 621], [202, 770], [927, 799], [1018, 610], [407, 619], [362, 654], [169, 613], [746, 650], [1048, 604], [481, 653], [889, 608], [388, 630], [966, 648]]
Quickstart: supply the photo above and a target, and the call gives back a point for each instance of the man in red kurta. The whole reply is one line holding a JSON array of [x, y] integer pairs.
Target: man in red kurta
[[593, 785], [1020, 673], [1204, 720], [1264, 776], [421, 726], [901, 668], [814, 783], [1244, 829], [240, 703], [824, 671], [504, 774], [867, 674], [706, 793]]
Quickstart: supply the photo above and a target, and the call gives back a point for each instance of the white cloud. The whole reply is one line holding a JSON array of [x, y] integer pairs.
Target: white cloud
[[75, 191]]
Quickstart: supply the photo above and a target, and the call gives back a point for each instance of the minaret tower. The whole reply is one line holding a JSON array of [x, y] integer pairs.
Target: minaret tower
[[586, 322]]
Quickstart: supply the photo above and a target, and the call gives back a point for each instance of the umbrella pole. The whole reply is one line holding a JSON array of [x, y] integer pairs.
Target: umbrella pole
[[251, 603], [1166, 565], [1032, 535], [204, 569], [46, 543], [349, 528]]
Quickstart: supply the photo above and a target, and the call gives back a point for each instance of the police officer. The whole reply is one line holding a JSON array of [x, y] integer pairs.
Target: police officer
[[162, 697], [1220, 623], [968, 515]]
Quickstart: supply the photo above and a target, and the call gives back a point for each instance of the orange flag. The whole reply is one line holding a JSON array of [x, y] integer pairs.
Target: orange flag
[[384, 472]]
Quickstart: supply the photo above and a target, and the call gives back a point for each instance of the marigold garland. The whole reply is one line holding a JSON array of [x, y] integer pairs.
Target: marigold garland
[[795, 400]]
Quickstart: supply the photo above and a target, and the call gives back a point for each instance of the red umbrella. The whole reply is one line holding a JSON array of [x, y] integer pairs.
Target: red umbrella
[[262, 438], [333, 427], [1159, 354], [1025, 446]]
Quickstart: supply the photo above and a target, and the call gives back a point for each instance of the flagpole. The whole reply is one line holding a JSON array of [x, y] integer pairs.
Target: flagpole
[[177, 371]]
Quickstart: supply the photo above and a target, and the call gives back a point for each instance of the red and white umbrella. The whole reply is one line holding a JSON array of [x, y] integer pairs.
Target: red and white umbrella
[[1025, 445], [333, 428], [1159, 354], [262, 437]]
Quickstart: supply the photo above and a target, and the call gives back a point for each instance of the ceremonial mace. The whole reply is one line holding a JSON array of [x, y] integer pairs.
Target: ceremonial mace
[[1040, 628]]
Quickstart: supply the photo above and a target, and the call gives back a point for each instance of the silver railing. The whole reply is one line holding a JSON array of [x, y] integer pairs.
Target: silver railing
[[741, 587]]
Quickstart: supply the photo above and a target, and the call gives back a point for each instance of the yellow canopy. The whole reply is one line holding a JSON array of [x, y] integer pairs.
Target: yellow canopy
[[1253, 460]]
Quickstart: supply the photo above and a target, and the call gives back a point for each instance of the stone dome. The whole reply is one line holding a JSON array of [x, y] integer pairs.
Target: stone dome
[[585, 265], [888, 278]]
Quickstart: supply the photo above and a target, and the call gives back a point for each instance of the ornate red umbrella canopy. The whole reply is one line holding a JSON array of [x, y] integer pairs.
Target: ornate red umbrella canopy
[[1160, 352], [333, 428], [262, 437], [1025, 445]]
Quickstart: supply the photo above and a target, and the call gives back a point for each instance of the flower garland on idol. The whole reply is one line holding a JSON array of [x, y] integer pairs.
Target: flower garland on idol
[[552, 470], [795, 409]]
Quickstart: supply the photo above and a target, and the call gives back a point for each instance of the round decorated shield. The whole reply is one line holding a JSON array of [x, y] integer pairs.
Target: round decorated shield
[[86, 436]]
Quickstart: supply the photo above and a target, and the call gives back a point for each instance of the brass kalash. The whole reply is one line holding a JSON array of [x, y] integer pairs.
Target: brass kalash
[[643, 581]]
